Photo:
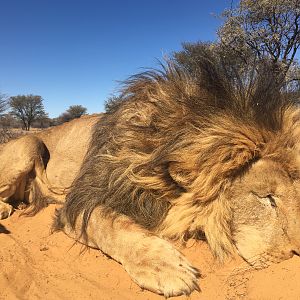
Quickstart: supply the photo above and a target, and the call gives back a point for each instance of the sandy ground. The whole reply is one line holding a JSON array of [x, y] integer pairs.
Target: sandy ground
[[35, 264]]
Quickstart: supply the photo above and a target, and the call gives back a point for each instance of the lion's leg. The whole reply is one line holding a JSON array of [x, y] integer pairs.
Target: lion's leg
[[5, 210], [152, 262], [19, 160]]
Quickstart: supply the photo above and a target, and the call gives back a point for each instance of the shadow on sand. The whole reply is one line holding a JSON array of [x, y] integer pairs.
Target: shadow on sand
[[4, 230]]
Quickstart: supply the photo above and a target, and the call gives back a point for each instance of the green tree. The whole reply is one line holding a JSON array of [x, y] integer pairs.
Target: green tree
[[266, 29], [76, 111], [64, 117], [258, 36], [3, 104], [27, 108], [4, 131], [73, 112], [112, 103]]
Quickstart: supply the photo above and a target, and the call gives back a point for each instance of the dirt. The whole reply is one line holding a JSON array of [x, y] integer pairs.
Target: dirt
[[35, 264]]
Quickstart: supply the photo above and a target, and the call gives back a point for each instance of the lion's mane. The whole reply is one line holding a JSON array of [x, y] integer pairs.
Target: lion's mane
[[167, 151]]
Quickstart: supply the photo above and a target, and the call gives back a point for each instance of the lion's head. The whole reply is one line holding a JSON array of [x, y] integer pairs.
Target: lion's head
[[182, 156], [265, 213]]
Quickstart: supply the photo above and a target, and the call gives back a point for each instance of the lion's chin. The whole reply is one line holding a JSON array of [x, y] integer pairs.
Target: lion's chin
[[256, 251]]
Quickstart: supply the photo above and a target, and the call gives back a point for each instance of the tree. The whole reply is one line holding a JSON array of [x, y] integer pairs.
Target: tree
[[27, 108], [3, 104], [42, 122], [8, 121], [73, 112], [267, 29], [64, 117], [4, 131], [257, 37], [76, 111], [113, 102]]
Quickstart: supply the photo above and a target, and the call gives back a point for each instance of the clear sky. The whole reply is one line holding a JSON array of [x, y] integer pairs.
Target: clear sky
[[75, 51]]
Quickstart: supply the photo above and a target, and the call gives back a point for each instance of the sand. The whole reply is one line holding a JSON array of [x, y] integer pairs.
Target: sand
[[35, 264]]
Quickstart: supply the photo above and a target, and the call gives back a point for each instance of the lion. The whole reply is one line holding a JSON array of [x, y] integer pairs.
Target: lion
[[174, 158]]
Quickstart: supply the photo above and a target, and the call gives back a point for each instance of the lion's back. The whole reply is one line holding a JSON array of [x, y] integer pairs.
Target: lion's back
[[67, 145]]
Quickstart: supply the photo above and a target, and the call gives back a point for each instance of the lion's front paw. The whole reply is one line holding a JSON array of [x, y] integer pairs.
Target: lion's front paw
[[5, 210], [157, 266]]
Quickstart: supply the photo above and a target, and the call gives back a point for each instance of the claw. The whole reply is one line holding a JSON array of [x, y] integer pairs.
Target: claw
[[197, 287]]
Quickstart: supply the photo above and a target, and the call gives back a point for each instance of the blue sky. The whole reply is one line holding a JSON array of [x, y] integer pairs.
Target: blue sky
[[75, 51]]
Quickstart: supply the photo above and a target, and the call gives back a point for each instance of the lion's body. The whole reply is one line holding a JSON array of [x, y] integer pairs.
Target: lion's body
[[51, 159], [67, 145], [174, 159]]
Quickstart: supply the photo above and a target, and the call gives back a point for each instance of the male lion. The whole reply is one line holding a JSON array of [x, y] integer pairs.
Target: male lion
[[175, 159]]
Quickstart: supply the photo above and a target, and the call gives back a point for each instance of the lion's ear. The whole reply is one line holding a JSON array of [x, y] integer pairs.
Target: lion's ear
[[181, 176]]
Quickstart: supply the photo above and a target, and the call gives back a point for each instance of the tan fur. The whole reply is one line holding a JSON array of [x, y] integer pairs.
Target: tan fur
[[174, 159], [23, 164]]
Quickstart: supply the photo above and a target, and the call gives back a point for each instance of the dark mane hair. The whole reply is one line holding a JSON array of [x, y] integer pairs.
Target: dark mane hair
[[172, 134]]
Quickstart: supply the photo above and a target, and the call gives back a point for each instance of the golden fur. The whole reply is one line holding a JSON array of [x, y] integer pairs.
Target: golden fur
[[23, 164], [165, 155], [174, 158]]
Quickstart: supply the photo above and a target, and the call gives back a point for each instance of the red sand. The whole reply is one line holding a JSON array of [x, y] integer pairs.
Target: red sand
[[35, 264]]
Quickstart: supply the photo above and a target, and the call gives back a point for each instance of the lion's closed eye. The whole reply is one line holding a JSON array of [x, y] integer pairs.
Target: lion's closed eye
[[266, 198], [271, 199]]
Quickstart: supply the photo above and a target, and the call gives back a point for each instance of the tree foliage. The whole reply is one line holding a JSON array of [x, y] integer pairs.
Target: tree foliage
[[256, 35], [113, 102], [64, 117], [241, 81], [266, 29], [3, 104], [76, 111], [73, 112], [4, 131], [9, 121], [27, 108]]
